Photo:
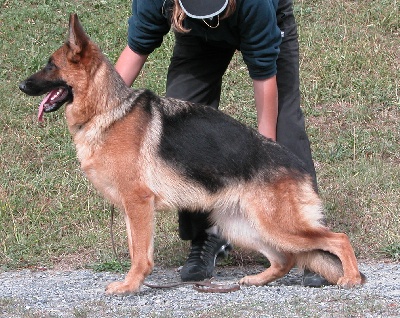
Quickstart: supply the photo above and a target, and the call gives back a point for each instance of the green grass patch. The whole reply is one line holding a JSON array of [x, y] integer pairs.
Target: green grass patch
[[49, 213], [392, 251]]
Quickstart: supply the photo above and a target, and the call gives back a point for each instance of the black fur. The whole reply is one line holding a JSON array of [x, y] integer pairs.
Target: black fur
[[213, 148]]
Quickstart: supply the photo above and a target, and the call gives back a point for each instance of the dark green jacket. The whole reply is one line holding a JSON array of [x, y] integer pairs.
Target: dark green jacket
[[252, 29]]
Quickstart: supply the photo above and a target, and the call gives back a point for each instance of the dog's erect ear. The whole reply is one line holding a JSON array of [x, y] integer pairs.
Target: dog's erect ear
[[77, 39]]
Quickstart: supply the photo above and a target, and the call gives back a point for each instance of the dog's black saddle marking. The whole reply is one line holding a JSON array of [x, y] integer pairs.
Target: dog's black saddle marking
[[213, 148]]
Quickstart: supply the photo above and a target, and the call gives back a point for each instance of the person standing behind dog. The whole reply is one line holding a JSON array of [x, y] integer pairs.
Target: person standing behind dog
[[207, 34]]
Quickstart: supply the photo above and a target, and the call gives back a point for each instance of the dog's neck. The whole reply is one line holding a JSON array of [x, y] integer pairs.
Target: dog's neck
[[102, 107], [97, 99]]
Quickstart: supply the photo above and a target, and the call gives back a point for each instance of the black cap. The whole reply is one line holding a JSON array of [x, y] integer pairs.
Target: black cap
[[203, 9]]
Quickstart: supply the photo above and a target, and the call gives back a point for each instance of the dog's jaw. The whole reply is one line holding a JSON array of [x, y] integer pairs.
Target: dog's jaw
[[54, 100]]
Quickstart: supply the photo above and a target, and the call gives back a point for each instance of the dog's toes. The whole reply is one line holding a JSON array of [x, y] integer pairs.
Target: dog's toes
[[252, 280], [350, 282], [121, 288]]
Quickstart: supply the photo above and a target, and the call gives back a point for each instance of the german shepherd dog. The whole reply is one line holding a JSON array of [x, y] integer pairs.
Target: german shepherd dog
[[145, 153]]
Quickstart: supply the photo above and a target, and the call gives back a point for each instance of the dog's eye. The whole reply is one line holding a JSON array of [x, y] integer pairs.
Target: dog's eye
[[50, 66]]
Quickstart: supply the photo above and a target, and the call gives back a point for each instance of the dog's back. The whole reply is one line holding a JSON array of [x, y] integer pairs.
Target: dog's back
[[218, 148]]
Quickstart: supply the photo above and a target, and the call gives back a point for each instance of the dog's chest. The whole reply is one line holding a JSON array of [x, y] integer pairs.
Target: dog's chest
[[88, 152], [100, 173], [89, 140]]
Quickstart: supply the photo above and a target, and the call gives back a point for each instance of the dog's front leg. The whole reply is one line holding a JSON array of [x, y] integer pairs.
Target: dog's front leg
[[139, 218]]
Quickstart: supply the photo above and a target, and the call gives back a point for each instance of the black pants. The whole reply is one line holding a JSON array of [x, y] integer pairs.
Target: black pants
[[195, 74]]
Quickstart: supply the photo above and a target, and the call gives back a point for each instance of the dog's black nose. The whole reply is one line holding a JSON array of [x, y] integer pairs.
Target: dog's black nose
[[22, 86]]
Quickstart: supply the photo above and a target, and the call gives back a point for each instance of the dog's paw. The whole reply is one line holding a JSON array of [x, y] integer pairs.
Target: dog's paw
[[350, 282], [121, 288], [253, 280]]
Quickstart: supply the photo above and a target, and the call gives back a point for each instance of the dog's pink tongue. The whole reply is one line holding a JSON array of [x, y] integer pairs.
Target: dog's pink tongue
[[41, 107]]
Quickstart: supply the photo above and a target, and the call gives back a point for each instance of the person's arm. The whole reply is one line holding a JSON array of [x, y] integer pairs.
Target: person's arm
[[260, 38], [129, 65], [266, 99]]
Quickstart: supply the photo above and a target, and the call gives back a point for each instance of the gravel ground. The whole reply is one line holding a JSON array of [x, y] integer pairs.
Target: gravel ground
[[80, 293]]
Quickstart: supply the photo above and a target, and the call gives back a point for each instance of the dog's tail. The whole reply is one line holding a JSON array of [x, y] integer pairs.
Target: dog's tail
[[324, 263]]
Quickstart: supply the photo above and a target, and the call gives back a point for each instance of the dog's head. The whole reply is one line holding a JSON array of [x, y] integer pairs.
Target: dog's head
[[63, 74]]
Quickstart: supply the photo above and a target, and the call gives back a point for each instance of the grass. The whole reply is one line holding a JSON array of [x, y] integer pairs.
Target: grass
[[350, 71]]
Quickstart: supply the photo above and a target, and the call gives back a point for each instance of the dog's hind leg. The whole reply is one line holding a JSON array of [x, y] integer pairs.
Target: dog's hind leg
[[242, 231], [285, 220], [306, 240], [281, 264], [348, 275], [139, 218]]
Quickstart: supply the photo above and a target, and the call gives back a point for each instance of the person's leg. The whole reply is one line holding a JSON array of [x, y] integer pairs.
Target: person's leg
[[195, 75], [291, 127]]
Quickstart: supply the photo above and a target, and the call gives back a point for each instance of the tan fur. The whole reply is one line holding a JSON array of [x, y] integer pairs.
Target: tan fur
[[117, 148]]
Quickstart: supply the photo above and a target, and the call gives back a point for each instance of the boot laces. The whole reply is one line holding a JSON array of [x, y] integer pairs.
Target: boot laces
[[206, 250]]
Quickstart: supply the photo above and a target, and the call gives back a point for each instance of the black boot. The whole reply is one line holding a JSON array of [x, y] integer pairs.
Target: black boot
[[311, 279], [203, 256]]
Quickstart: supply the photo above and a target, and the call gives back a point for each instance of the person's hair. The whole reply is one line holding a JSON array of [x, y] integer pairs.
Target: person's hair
[[178, 15]]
